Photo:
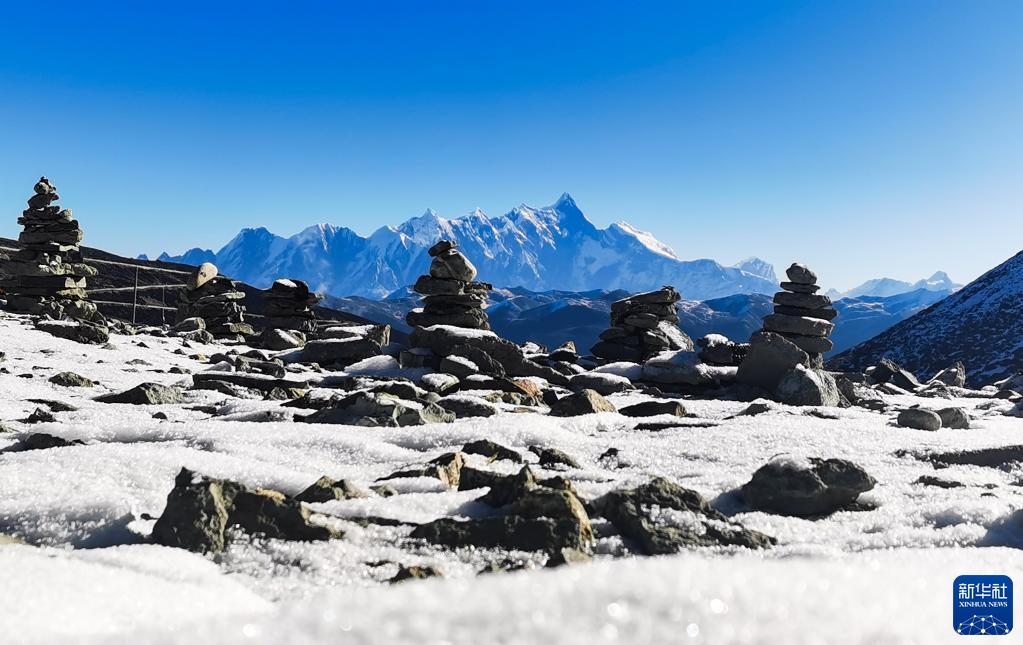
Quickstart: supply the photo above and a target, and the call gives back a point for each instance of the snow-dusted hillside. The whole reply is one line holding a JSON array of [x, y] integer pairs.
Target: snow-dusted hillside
[[980, 325], [555, 247], [88, 572]]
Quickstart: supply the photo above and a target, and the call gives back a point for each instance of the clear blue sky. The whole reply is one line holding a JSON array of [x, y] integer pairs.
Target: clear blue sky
[[865, 138]]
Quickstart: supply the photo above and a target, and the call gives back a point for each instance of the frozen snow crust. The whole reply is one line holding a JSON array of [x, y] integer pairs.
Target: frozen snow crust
[[86, 571]]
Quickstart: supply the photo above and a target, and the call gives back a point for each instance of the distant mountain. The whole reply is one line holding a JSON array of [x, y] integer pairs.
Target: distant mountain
[[980, 325], [539, 249], [862, 318], [553, 317], [756, 266], [884, 287]]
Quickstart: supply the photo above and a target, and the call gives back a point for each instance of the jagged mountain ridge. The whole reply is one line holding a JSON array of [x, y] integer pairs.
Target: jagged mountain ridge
[[980, 325], [540, 249], [885, 287]]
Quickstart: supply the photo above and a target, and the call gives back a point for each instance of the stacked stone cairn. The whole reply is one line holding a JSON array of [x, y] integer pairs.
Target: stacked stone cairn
[[47, 276], [785, 357], [450, 294], [643, 326], [288, 314], [216, 300], [801, 315]]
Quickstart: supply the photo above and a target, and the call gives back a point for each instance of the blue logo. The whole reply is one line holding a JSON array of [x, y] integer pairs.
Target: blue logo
[[982, 605]]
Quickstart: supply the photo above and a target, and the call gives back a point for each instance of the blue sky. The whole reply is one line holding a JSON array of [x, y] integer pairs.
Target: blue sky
[[865, 138]]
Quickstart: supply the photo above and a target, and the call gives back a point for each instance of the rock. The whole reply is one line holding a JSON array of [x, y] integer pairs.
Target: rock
[[801, 274], [466, 405], [955, 418], [653, 409], [83, 332], [275, 515], [584, 402], [145, 394], [888, 371], [189, 325], [201, 275], [601, 383], [196, 514], [544, 502], [439, 383], [441, 247], [281, 339], [770, 358], [415, 572], [504, 489], [800, 325], [447, 468], [641, 326], [644, 515], [452, 265], [919, 419], [366, 409], [326, 489], [343, 351], [816, 487], [681, 367], [553, 457], [806, 386], [44, 441], [995, 457], [954, 375], [491, 450], [716, 349], [507, 532], [70, 379]]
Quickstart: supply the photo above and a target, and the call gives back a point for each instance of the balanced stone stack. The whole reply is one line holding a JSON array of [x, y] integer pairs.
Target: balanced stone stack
[[642, 326], [47, 275], [450, 295], [215, 299], [289, 305], [801, 315]]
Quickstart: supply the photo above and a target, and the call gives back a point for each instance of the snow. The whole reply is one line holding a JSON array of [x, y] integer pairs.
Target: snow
[[879, 576]]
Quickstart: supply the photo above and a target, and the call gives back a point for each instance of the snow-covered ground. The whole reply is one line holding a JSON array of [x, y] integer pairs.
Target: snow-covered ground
[[88, 574]]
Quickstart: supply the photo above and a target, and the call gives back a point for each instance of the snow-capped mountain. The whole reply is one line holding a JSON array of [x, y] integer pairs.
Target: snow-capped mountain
[[884, 287], [540, 249], [980, 325]]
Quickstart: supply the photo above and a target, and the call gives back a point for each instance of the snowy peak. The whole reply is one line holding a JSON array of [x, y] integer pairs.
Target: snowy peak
[[884, 287], [758, 267], [552, 247]]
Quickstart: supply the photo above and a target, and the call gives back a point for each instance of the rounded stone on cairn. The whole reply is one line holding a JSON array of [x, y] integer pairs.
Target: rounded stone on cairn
[[202, 274], [441, 247], [452, 265], [800, 274]]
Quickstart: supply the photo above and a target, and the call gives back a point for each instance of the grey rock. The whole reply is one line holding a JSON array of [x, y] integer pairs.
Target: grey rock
[[584, 402], [769, 359], [800, 274], [145, 394], [820, 487], [326, 489], [466, 405], [452, 265], [807, 386], [955, 418], [954, 375], [653, 409], [553, 457], [631, 513], [919, 419], [379, 410], [491, 450], [70, 379], [600, 382], [802, 325]]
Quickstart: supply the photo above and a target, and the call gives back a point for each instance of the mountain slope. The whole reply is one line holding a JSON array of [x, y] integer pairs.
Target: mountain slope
[[539, 249], [862, 318], [980, 325]]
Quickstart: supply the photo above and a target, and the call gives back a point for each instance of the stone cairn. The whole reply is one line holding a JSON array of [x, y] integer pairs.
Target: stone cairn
[[215, 300], [450, 295], [642, 326], [288, 314], [47, 275], [801, 315]]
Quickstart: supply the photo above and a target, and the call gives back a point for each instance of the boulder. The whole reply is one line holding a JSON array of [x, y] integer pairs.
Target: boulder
[[955, 418], [954, 375], [806, 489], [919, 419], [326, 489], [807, 386], [145, 394], [653, 409], [491, 450], [600, 382], [201, 275], [70, 379], [662, 518], [769, 359], [196, 514], [584, 402], [553, 457], [888, 371], [468, 405], [376, 410]]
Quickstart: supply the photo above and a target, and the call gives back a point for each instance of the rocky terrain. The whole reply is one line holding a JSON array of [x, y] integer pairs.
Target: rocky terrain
[[459, 487]]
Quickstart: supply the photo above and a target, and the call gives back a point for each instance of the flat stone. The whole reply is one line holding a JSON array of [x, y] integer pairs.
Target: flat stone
[[795, 287], [801, 325], [802, 300], [653, 409]]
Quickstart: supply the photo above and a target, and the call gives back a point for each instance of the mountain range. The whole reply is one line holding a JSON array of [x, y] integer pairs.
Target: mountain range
[[539, 249], [980, 325], [884, 287]]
